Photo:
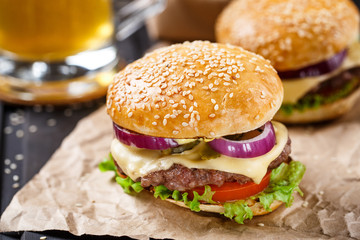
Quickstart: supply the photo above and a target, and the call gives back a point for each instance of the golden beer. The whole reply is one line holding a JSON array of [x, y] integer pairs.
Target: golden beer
[[53, 29], [64, 51]]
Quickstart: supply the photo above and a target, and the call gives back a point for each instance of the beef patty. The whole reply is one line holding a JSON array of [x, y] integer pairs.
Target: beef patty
[[181, 178]]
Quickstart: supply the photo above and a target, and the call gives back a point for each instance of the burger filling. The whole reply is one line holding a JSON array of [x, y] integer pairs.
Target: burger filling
[[311, 92], [179, 177], [330, 91], [195, 173]]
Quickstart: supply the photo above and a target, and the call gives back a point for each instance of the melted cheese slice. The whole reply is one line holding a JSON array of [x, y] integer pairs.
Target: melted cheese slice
[[294, 89], [137, 162]]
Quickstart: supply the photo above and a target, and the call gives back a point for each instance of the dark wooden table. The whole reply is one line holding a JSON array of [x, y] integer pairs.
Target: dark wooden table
[[29, 135]]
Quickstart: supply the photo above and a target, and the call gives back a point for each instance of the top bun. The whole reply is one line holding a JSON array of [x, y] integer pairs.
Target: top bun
[[197, 89], [290, 33]]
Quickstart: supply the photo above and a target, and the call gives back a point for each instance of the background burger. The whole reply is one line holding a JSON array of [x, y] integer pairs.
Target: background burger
[[313, 44], [192, 124]]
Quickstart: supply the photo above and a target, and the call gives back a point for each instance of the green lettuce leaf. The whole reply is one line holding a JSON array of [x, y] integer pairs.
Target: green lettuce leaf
[[240, 210], [129, 185], [137, 187], [162, 192], [284, 181], [205, 197], [107, 164]]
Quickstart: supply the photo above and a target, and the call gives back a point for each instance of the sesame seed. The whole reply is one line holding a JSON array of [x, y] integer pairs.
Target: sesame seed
[[257, 117], [78, 205], [130, 114], [191, 109], [262, 95], [7, 171], [7, 161], [154, 123], [213, 101], [195, 104], [321, 193], [231, 95], [212, 134], [164, 122], [175, 132], [185, 124], [261, 224], [258, 69], [186, 115], [212, 115], [156, 116], [272, 104], [216, 107]]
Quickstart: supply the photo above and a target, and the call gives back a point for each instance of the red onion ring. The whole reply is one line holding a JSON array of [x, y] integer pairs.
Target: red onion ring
[[250, 148], [143, 141], [317, 69]]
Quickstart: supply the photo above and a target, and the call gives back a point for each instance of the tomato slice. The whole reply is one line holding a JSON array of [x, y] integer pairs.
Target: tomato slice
[[120, 174], [231, 191]]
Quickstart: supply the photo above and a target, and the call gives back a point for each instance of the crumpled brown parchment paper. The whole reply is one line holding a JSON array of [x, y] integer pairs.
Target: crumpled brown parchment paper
[[71, 194]]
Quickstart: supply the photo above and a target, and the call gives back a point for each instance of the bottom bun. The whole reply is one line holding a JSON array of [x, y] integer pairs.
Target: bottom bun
[[323, 113], [256, 207]]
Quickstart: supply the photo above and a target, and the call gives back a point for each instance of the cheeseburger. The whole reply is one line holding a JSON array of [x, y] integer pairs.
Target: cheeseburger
[[313, 44], [192, 125]]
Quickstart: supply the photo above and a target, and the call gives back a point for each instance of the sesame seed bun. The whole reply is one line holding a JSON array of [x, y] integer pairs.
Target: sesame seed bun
[[256, 207], [290, 33], [197, 89]]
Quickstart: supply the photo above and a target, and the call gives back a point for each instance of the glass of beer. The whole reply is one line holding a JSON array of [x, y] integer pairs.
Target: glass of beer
[[56, 52]]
